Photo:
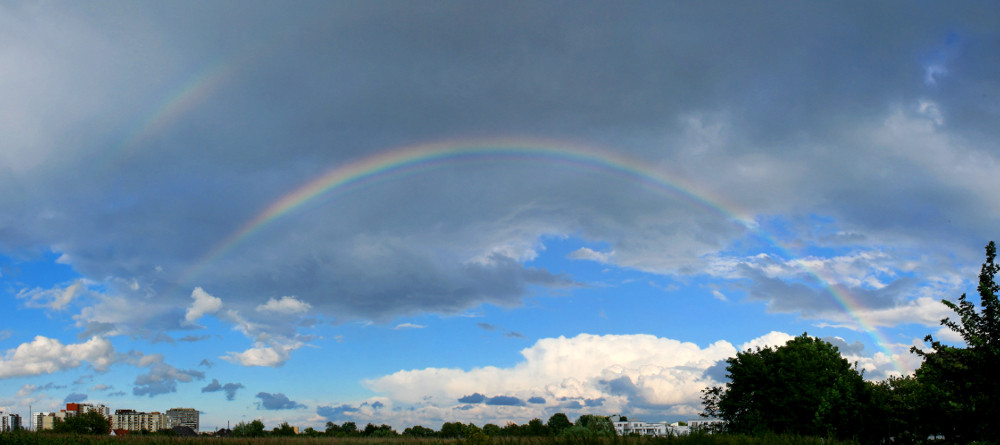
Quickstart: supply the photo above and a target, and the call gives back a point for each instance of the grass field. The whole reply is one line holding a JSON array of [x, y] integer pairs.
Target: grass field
[[717, 439]]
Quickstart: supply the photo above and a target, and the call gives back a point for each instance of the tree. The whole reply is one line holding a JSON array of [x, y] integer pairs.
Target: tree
[[804, 387], [599, 425], [961, 381], [452, 429], [349, 428], [491, 430], [558, 422], [537, 428], [252, 429], [283, 430], [419, 431], [91, 422]]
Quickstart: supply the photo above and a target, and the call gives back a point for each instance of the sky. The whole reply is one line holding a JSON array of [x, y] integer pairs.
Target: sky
[[418, 212]]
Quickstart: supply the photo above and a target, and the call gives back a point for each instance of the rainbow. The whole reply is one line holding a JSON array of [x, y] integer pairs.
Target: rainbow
[[391, 163], [173, 105]]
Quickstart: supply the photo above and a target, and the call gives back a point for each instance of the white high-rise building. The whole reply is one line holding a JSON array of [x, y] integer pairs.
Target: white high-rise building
[[10, 422]]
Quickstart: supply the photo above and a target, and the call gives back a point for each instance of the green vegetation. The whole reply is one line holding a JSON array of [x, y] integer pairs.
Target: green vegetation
[[806, 388]]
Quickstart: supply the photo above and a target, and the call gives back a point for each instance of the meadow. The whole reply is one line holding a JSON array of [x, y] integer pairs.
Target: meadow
[[27, 438]]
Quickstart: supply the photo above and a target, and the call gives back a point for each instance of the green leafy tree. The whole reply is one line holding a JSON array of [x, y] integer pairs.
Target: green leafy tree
[[558, 422], [491, 430], [419, 431], [91, 422], [961, 382], [311, 432], [537, 428], [599, 425], [804, 387], [253, 429], [283, 430], [332, 429], [452, 429], [349, 429]]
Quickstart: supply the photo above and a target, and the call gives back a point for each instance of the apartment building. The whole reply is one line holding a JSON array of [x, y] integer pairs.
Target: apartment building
[[183, 417], [132, 420], [10, 422]]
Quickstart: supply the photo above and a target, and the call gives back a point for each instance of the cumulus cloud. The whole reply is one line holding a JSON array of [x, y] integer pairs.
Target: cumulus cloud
[[276, 401], [657, 372], [47, 355], [203, 304], [270, 354]]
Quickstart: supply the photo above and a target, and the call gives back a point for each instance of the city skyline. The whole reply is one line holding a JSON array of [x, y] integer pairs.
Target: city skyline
[[410, 213]]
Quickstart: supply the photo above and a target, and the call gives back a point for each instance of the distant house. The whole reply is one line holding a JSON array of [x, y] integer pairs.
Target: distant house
[[659, 429]]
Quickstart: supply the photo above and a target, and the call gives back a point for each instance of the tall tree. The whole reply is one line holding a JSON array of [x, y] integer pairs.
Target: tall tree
[[804, 387], [962, 381], [558, 422]]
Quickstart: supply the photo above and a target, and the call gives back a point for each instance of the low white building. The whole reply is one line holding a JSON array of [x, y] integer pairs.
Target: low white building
[[625, 428]]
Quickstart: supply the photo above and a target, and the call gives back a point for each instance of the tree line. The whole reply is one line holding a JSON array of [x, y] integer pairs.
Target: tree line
[[558, 425], [807, 388]]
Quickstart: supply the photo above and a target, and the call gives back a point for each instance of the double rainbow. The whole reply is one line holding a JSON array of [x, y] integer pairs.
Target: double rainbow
[[387, 164]]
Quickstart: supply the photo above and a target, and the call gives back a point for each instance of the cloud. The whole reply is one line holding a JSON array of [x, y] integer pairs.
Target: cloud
[[585, 253], [486, 326], [286, 305], [276, 401], [56, 298], [46, 355], [74, 398], [504, 401], [101, 387], [203, 304], [228, 388], [194, 338], [272, 354], [473, 398], [409, 326], [667, 373], [162, 378]]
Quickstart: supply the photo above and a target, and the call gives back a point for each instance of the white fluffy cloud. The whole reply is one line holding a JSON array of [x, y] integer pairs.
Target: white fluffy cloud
[[286, 305], [610, 371], [47, 355], [273, 353], [203, 304]]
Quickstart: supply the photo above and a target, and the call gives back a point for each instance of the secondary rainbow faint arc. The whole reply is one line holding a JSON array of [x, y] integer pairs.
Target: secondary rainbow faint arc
[[406, 158]]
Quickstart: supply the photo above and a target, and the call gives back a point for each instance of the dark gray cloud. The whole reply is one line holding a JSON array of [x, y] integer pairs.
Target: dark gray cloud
[[861, 115], [228, 388], [276, 401], [75, 397], [536, 400], [505, 401], [472, 398]]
